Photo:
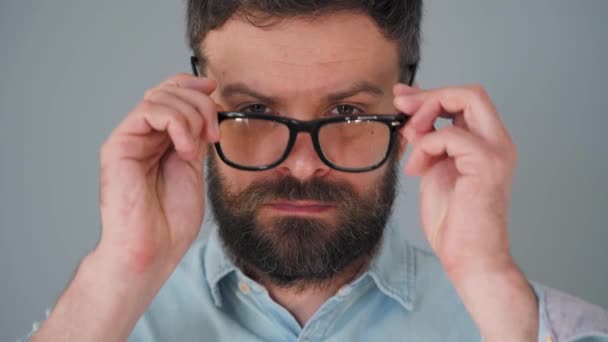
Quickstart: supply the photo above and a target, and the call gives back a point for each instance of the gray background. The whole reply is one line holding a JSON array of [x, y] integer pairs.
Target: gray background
[[71, 69]]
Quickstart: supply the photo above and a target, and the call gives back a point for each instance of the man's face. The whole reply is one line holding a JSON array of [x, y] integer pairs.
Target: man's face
[[302, 220]]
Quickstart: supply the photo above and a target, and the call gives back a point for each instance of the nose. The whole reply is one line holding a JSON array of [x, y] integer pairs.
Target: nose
[[303, 162]]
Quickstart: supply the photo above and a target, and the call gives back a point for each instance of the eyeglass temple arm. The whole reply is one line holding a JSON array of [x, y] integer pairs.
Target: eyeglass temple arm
[[413, 69], [194, 65]]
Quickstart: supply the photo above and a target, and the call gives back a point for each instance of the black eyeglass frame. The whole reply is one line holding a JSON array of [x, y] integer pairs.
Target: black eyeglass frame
[[393, 121]]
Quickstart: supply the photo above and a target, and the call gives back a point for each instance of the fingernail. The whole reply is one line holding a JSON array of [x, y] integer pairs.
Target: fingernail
[[401, 89]]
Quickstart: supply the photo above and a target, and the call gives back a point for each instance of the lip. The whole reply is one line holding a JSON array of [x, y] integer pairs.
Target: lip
[[300, 207]]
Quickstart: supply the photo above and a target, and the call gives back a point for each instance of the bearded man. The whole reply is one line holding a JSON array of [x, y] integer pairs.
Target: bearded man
[[302, 111]]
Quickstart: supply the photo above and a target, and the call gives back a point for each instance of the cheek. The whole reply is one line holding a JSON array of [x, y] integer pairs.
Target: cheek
[[363, 183], [236, 180]]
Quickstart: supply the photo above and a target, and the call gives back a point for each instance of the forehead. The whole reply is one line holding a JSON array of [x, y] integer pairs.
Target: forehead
[[302, 54]]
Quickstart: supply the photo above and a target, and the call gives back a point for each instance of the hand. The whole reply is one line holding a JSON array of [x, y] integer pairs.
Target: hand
[[152, 183], [466, 172], [152, 205]]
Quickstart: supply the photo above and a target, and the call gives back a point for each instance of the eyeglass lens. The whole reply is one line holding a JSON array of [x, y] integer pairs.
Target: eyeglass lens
[[354, 144]]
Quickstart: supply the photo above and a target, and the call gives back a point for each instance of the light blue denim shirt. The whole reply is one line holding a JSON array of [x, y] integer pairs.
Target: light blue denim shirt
[[404, 296]]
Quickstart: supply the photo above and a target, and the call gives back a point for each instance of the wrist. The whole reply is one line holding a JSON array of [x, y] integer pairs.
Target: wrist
[[500, 300], [129, 261], [102, 303]]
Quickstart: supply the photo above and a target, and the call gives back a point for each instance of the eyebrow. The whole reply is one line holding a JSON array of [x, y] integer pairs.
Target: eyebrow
[[359, 87], [234, 89]]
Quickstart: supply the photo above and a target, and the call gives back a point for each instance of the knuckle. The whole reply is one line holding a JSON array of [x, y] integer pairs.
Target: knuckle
[[479, 90], [144, 106], [179, 119], [207, 106], [108, 150], [195, 122], [150, 93], [175, 115], [199, 101]]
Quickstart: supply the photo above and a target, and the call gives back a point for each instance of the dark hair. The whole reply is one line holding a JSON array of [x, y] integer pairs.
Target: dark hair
[[399, 20]]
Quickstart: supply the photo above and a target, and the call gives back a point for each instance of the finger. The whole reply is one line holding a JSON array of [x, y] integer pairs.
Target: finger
[[163, 118], [458, 121], [408, 103], [205, 108], [416, 132], [401, 89], [420, 162], [184, 80], [412, 135], [470, 102], [166, 98], [467, 150]]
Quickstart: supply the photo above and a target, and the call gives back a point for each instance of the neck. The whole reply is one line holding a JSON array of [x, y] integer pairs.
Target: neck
[[302, 299]]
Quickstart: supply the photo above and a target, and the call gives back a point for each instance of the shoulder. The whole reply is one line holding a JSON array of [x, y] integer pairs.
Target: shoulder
[[568, 318]]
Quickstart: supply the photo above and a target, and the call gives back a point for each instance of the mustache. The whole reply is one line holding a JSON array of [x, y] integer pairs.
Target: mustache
[[288, 188]]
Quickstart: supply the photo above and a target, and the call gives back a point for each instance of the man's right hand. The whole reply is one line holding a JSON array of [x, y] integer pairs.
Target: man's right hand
[[152, 183], [152, 205]]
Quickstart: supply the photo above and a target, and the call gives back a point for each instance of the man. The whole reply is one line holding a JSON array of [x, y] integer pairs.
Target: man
[[298, 113]]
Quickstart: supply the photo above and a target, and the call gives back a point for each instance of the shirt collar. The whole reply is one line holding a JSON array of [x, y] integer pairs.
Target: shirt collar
[[392, 269], [217, 264]]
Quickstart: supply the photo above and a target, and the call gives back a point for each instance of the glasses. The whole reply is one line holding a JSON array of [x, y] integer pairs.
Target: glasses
[[355, 143]]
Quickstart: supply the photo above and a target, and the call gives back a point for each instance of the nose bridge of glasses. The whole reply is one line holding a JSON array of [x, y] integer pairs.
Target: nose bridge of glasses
[[297, 126], [302, 156]]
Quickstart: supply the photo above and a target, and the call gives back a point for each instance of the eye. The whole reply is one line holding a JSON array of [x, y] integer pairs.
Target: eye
[[345, 109], [256, 108]]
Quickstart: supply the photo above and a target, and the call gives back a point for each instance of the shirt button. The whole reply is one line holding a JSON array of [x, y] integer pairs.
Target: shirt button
[[244, 287], [343, 291]]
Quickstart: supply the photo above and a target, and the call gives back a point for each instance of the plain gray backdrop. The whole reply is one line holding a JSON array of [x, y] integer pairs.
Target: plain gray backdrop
[[70, 70]]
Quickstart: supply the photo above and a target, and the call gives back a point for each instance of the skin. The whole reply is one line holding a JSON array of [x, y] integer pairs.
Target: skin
[[152, 205]]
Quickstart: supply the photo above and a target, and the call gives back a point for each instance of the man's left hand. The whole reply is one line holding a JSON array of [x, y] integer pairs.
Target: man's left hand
[[466, 172]]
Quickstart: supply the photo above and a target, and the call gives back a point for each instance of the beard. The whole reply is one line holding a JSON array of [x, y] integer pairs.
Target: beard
[[303, 251]]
